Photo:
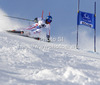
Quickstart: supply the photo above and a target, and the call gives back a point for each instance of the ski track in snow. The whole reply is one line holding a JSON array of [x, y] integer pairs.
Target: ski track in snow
[[25, 61]]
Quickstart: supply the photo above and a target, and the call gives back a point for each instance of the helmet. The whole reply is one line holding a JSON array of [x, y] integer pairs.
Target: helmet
[[49, 19]]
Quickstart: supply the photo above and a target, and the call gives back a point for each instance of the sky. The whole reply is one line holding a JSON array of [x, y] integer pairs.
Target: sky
[[64, 13]]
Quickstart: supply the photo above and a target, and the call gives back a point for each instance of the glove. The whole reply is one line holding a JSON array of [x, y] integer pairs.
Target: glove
[[42, 25], [36, 20]]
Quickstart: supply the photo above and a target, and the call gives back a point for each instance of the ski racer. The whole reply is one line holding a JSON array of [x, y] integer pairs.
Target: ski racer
[[38, 25]]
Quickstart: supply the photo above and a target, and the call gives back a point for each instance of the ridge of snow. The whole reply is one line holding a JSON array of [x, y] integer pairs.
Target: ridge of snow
[[25, 61]]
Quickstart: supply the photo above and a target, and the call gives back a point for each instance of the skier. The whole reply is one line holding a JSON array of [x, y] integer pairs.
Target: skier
[[38, 25]]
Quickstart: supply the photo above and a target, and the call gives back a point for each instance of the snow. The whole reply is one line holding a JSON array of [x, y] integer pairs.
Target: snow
[[25, 61]]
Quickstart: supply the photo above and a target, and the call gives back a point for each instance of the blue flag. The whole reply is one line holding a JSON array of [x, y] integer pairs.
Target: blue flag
[[86, 19]]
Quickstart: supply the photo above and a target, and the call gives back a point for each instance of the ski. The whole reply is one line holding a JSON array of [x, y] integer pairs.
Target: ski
[[21, 34], [14, 31]]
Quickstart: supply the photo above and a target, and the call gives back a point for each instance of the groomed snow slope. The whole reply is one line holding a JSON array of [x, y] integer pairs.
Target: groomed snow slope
[[25, 61]]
